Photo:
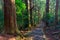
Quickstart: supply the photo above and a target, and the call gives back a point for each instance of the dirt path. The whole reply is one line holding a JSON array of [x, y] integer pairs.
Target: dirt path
[[38, 33]]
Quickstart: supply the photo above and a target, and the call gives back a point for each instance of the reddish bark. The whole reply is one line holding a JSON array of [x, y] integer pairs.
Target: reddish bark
[[9, 16]]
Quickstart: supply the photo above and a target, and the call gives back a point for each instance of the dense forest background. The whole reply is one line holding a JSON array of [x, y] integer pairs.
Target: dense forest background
[[31, 15], [30, 18]]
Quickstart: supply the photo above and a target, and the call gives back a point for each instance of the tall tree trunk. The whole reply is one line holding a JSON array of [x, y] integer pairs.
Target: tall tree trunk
[[8, 16], [56, 12], [31, 19], [47, 10], [10, 25], [27, 10]]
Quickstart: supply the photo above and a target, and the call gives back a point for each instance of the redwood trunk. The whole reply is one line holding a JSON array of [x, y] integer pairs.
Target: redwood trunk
[[10, 25]]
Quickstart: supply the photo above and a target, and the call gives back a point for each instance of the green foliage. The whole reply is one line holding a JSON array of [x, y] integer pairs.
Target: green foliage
[[20, 6], [1, 20], [49, 18], [1, 16], [22, 15]]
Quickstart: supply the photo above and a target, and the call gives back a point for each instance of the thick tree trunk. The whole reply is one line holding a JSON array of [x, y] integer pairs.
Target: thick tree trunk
[[8, 16], [10, 25]]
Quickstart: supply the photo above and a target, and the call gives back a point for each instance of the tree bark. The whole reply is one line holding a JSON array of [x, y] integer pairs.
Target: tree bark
[[10, 24], [31, 7], [27, 10], [56, 12], [47, 10], [47, 6], [8, 16]]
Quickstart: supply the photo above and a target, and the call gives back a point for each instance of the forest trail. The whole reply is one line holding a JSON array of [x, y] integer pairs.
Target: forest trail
[[37, 33]]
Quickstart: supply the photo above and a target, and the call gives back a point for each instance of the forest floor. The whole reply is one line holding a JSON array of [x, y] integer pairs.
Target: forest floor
[[38, 33], [35, 34]]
